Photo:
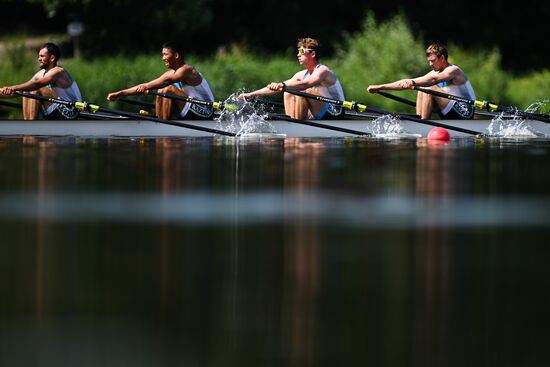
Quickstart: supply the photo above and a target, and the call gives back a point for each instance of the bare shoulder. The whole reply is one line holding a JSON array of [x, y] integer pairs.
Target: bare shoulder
[[299, 75]]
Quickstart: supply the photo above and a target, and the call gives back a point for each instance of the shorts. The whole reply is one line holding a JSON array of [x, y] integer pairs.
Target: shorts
[[63, 112], [330, 112], [459, 111], [197, 112]]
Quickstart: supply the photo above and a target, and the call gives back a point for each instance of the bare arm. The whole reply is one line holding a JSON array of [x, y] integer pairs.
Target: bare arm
[[427, 80], [270, 89], [37, 82], [159, 82]]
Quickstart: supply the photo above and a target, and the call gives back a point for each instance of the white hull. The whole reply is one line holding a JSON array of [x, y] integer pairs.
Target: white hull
[[132, 128]]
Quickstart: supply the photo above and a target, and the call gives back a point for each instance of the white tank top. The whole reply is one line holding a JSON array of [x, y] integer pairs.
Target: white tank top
[[201, 92], [71, 94], [334, 91], [463, 90]]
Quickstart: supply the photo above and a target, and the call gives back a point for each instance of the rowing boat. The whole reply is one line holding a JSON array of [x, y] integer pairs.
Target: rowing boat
[[136, 128]]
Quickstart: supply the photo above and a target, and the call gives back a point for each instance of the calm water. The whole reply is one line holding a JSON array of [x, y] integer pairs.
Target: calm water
[[296, 252]]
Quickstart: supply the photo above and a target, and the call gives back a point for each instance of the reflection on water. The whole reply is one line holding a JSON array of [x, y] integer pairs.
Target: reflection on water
[[283, 252]]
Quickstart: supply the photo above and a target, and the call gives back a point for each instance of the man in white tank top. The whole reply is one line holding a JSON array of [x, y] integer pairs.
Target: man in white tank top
[[445, 78], [315, 79], [183, 80], [51, 81]]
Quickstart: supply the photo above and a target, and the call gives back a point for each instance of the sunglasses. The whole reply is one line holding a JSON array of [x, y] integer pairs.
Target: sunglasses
[[303, 50]]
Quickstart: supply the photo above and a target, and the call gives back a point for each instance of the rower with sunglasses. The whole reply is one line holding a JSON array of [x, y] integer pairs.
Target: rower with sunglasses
[[315, 79]]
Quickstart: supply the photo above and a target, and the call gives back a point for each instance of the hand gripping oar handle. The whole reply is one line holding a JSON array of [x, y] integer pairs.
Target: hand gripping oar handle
[[484, 105], [85, 106], [362, 107]]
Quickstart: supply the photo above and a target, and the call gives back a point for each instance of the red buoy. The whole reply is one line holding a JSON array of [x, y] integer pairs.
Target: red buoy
[[439, 133]]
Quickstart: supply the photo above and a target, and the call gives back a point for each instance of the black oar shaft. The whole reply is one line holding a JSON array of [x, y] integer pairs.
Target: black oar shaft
[[182, 98], [137, 103], [322, 126], [398, 99], [95, 108], [167, 122], [10, 104], [485, 105], [362, 107]]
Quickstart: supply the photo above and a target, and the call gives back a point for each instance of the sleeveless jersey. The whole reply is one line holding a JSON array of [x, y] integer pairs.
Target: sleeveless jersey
[[72, 94], [333, 91], [201, 92], [463, 90]]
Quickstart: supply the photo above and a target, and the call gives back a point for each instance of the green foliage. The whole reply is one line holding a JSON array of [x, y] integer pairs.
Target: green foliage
[[237, 69], [379, 53], [524, 91], [484, 71]]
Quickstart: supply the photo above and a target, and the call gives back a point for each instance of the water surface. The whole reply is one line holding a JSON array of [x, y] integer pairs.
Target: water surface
[[281, 252]]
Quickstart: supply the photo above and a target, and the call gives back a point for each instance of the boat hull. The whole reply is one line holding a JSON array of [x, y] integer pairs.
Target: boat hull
[[133, 128]]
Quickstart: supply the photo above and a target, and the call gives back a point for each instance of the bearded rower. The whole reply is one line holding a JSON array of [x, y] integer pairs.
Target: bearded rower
[[51, 81]]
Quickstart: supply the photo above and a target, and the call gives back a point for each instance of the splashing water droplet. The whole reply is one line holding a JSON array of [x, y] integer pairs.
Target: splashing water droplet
[[244, 117], [511, 127], [386, 125]]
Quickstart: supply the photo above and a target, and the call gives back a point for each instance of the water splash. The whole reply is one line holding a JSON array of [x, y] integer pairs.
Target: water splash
[[537, 106], [388, 126], [505, 127], [246, 118]]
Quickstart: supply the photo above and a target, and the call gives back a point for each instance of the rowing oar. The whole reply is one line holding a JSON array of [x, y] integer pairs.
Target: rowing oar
[[137, 103], [358, 107], [484, 105], [413, 104], [85, 106], [316, 124], [398, 99], [10, 104], [216, 105]]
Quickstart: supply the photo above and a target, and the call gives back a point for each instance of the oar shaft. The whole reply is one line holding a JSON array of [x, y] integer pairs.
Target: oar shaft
[[322, 126], [350, 105], [398, 99], [95, 108], [10, 104], [215, 105], [355, 105], [84, 106], [484, 105], [137, 103]]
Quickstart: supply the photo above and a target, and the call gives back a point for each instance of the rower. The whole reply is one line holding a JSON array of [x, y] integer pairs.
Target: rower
[[182, 80], [316, 79], [51, 81], [445, 78]]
